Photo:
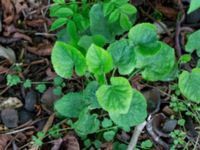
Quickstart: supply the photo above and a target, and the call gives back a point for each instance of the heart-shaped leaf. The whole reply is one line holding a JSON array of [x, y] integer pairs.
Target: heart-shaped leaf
[[136, 114], [64, 105], [98, 60], [143, 33], [65, 57], [87, 123], [193, 42], [123, 56], [189, 84], [158, 66], [116, 97]]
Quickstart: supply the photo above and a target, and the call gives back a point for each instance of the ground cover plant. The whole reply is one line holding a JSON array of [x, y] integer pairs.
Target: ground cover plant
[[100, 74]]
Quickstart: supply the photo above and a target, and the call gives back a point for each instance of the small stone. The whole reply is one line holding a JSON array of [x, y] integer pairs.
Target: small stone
[[169, 125], [48, 98], [9, 117], [30, 101], [25, 116]]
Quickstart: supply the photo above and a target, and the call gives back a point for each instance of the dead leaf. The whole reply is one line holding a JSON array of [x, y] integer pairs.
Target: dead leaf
[[35, 23], [43, 49], [7, 53], [4, 140], [8, 11], [20, 5], [169, 12], [11, 102]]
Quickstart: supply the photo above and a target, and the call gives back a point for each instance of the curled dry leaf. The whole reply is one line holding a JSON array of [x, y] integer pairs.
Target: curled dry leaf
[[4, 140], [7, 53], [11, 102], [43, 49], [8, 11]]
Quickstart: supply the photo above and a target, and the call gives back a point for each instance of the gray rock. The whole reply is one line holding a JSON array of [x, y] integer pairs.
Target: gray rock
[[25, 116], [169, 125], [30, 101], [9, 117], [48, 98]]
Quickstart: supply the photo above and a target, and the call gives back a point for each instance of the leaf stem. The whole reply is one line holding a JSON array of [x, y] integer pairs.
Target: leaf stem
[[113, 73], [105, 79], [133, 73]]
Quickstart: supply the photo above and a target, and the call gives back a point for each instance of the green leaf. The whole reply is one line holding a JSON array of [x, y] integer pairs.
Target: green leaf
[[109, 135], [192, 42], [143, 33], [114, 16], [185, 58], [98, 60], [158, 66], [119, 146], [136, 113], [58, 23], [116, 97], [72, 30], [57, 91], [125, 22], [146, 144], [189, 84], [64, 105], [86, 41], [128, 9], [87, 123], [107, 123], [108, 8], [41, 88], [148, 49], [97, 144], [123, 56], [194, 5], [90, 95], [57, 81], [12, 80], [98, 23], [27, 83], [63, 12], [59, 1], [65, 57]]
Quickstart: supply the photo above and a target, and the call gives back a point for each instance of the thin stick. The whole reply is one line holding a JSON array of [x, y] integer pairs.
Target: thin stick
[[135, 136]]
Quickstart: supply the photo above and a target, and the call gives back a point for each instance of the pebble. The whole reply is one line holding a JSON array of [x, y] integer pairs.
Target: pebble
[[9, 117], [30, 101], [48, 98], [25, 116], [169, 125]]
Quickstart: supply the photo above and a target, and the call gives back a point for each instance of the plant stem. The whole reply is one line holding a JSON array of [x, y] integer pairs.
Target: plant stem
[[133, 73], [105, 79], [113, 73], [101, 130], [135, 136]]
